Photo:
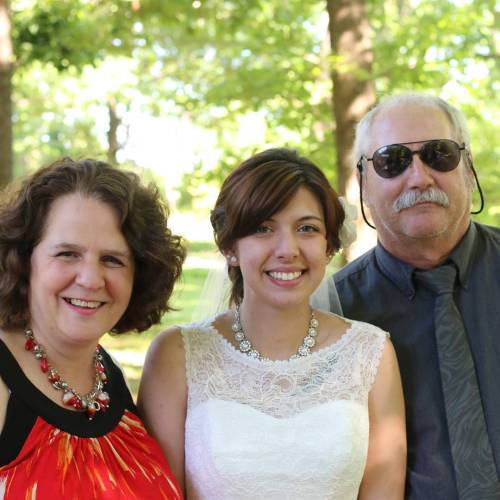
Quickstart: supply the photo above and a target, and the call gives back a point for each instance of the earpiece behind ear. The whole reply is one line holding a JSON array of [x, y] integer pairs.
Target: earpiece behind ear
[[469, 159], [359, 166], [480, 191]]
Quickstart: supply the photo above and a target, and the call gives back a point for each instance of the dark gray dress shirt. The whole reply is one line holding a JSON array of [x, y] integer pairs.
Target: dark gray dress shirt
[[379, 288]]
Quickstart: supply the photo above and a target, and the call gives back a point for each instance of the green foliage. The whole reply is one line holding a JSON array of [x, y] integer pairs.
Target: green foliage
[[71, 33], [217, 62]]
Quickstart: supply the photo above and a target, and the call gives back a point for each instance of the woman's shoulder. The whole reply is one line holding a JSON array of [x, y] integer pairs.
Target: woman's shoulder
[[336, 327], [167, 344], [198, 330], [170, 345]]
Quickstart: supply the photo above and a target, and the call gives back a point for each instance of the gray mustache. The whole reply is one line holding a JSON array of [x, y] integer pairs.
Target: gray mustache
[[410, 198]]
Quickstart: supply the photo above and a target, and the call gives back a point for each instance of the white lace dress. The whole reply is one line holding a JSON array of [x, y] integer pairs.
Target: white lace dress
[[278, 429]]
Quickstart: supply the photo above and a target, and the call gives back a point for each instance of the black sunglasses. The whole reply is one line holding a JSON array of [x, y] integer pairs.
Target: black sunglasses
[[389, 161]]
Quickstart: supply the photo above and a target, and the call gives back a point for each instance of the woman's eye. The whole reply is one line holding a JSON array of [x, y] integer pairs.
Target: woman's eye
[[263, 230], [113, 261], [67, 254]]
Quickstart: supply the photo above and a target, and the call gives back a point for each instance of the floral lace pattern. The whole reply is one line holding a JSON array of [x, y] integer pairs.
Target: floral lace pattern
[[278, 429]]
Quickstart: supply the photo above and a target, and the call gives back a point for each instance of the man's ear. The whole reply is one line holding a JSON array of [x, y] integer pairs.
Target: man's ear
[[469, 172], [468, 156]]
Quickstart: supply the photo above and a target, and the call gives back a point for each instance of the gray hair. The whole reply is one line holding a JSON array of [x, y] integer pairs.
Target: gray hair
[[454, 115]]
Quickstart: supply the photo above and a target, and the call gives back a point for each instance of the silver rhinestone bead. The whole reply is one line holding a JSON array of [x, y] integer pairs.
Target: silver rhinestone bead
[[254, 354], [239, 336], [303, 350], [314, 323], [235, 327], [309, 342], [245, 346], [312, 332]]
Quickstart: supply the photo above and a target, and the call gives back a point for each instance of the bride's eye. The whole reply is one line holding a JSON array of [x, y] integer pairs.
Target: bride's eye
[[308, 228], [263, 230]]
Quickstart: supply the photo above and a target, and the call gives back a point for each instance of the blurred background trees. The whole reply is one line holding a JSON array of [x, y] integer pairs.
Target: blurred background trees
[[78, 76]]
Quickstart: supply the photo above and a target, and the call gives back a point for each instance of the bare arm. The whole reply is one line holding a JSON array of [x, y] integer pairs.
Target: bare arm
[[4, 399], [163, 395], [384, 476]]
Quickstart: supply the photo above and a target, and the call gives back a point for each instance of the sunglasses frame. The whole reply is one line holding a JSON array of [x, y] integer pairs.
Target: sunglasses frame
[[416, 152]]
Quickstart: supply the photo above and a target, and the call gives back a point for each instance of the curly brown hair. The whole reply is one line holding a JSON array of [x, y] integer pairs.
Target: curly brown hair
[[143, 215], [262, 186]]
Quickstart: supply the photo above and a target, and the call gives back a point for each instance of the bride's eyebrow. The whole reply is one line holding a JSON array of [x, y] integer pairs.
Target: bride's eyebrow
[[311, 217]]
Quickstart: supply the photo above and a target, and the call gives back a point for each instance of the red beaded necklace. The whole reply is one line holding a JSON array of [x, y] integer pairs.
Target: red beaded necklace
[[94, 401]]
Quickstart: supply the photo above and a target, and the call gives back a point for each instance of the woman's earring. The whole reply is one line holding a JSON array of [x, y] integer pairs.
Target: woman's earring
[[233, 260]]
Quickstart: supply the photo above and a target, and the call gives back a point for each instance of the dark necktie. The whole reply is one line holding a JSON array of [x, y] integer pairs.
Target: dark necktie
[[475, 470]]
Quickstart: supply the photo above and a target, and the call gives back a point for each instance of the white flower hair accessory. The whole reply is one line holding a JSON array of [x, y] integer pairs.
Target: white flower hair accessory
[[347, 233]]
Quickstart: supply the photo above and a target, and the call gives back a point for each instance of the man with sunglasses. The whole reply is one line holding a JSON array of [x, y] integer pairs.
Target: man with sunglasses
[[416, 177]]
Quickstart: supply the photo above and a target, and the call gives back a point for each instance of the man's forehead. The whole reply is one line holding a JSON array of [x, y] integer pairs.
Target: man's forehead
[[409, 123]]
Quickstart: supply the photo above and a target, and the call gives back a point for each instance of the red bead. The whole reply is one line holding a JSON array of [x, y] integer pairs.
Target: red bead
[[91, 411], [69, 399], [99, 368], [54, 376], [44, 364], [30, 344], [77, 405], [103, 399]]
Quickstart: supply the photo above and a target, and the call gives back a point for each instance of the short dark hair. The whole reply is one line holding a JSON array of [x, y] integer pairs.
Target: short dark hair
[[142, 213], [262, 186]]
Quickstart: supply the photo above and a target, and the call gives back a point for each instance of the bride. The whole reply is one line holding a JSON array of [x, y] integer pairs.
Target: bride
[[271, 398]]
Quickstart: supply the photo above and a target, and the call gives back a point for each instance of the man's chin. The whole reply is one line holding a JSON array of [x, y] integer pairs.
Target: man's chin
[[425, 229]]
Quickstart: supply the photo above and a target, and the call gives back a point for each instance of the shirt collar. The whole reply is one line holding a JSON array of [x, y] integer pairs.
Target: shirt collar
[[462, 255], [401, 273]]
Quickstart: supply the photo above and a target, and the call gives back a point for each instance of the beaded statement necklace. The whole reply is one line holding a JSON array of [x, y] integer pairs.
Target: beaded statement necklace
[[246, 347], [94, 401]]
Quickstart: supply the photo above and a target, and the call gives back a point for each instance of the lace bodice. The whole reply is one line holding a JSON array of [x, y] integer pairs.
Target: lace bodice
[[293, 429]]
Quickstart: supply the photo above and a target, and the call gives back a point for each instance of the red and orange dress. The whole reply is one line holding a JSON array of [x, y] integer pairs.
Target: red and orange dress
[[50, 453]]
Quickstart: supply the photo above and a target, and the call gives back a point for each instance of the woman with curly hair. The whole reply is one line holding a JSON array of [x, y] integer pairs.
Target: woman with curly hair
[[84, 250]]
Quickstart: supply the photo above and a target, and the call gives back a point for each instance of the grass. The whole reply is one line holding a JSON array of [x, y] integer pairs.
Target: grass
[[129, 349], [184, 300]]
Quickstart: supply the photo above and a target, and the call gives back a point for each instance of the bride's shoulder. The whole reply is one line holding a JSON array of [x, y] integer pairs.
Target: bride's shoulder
[[335, 326], [180, 334], [331, 327]]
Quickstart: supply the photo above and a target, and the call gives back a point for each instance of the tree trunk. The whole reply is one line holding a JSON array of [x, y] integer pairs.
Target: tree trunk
[[114, 123], [6, 71], [353, 96]]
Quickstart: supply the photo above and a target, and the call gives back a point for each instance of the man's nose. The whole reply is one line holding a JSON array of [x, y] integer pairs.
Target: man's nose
[[419, 173]]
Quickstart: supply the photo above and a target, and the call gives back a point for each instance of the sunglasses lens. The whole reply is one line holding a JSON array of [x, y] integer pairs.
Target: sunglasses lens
[[442, 155], [390, 161]]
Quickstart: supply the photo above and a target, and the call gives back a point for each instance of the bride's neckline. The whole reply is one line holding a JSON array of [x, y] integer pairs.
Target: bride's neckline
[[236, 353]]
